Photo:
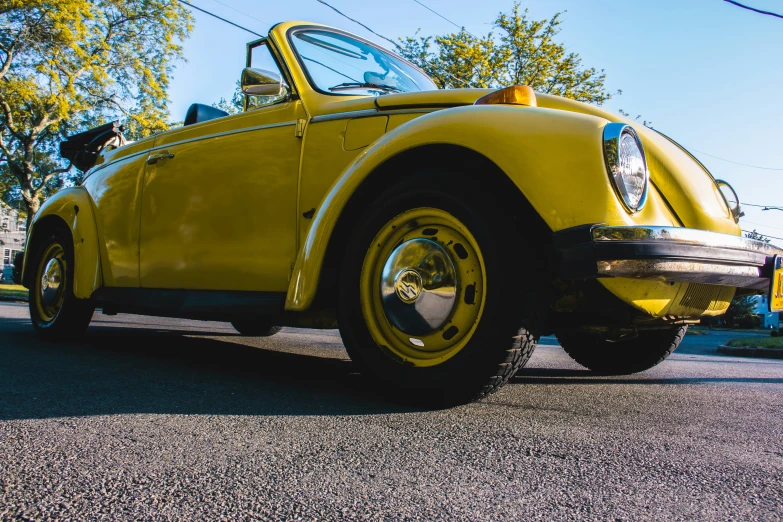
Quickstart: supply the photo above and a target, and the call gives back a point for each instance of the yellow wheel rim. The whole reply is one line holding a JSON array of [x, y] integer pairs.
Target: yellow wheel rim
[[423, 286], [50, 283]]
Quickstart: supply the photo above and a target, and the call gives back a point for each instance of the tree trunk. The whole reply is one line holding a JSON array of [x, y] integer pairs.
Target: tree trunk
[[32, 204]]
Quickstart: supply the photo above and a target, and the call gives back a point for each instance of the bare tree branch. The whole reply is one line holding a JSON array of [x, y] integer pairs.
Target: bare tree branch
[[48, 177]]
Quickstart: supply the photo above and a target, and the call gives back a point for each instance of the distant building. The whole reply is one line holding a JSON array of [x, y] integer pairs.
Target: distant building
[[13, 232], [768, 319]]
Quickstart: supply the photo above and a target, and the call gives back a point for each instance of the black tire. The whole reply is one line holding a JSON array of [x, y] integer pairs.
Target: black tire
[[624, 357], [74, 315], [505, 335], [252, 328]]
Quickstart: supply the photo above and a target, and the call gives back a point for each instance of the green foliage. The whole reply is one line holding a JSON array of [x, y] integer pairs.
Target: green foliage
[[69, 65], [524, 52], [758, 342], [13, 292], [740, 307], [235, 105], [644, 122], [757, 236]]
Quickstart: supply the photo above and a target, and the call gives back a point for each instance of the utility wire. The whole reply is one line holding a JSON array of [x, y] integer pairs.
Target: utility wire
[[242, 12], [734, 162], [763, 207], [460, 27], [760, 224], [753, 9], [395, 44], [221, 18]]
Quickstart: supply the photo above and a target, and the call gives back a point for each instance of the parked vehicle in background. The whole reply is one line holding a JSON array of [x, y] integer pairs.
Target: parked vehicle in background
[[13, 232], [442, 231]]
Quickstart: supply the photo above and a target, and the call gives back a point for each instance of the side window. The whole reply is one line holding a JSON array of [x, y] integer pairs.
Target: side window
[[261, 58]]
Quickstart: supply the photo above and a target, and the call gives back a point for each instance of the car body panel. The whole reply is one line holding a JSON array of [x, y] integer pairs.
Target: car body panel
[[74, 209], [687, 186], [116, 193], [243, 169], [360, 132]]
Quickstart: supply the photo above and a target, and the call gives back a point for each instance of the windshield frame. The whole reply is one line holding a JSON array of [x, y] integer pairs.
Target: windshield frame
[[300, 61]]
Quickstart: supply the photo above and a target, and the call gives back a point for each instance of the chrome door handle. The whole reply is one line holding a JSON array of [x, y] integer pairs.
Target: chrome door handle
[[155, 157]]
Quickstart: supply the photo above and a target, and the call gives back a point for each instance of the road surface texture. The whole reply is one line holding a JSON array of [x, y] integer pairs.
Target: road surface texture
[[164, 419]]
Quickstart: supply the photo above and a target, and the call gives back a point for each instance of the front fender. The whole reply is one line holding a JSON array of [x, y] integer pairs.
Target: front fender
[[74, 208], [554, 157]]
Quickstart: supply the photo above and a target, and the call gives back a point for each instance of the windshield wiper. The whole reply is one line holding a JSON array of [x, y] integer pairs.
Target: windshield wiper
[[347, 86]]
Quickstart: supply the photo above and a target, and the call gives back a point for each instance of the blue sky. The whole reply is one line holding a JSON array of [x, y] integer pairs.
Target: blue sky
[[706, 73]]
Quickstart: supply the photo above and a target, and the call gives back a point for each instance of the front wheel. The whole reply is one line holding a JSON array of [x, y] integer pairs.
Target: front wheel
[[431, 294], [57, 314], [622, 357]]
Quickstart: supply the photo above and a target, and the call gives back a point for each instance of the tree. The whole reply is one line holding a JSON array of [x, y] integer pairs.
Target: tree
[[69, 65], [741, 306], [524, 52], [646, 123], [757, 236], [235, 105]]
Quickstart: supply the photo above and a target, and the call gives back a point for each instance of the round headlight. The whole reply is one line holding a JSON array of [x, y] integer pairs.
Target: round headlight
[[626, 164]]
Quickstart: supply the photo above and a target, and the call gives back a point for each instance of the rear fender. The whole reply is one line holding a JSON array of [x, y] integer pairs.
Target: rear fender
[[73, 209]]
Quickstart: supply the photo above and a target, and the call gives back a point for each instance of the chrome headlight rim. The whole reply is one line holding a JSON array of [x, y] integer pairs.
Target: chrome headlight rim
[[613, 133]]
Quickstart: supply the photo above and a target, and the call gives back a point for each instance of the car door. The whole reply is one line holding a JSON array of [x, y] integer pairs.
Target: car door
[[219, 208], [115, 189]]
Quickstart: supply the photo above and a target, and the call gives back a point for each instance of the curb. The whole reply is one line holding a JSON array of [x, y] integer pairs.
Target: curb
[[743, 351], [8, 299]]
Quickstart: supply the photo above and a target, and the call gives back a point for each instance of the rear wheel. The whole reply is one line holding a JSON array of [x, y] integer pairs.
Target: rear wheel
[[251, 328], [432, 291], [57, 314], [622, 357]]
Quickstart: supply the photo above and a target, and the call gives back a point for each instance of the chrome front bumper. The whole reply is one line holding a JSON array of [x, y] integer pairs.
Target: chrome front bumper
[[665, 254]]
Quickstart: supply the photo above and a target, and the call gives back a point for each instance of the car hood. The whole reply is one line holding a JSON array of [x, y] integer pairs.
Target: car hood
[[688, 188]]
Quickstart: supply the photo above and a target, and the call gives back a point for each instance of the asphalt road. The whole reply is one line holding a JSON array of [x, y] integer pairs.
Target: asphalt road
[[164, 419]]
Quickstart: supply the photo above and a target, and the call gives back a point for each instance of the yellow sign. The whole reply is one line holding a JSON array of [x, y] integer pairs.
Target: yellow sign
[[776, 291]]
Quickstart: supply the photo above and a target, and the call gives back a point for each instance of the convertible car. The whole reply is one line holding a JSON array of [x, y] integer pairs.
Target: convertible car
[[442, 231]]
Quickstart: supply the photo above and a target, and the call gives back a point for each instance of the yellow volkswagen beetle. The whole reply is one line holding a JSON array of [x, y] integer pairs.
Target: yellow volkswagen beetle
[[442, 231]]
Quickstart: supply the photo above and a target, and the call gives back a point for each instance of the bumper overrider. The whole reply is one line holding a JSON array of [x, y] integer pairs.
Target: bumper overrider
[[670, 254]]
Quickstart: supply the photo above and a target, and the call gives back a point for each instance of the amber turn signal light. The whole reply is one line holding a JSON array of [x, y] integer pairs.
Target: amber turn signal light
[[514, 95]]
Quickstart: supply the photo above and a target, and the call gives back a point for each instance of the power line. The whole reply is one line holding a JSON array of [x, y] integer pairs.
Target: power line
[[761, 224], [242, 12], [753, 9], [460, 27], [221, 18], [763, 207], [730, 161], [395, 44]]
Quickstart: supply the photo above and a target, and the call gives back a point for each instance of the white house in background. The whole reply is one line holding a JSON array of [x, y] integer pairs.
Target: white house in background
[[13, 231], [768, 319]]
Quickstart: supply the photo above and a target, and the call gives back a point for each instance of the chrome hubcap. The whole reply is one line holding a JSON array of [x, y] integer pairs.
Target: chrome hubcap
[[51, 282], [418, 287]]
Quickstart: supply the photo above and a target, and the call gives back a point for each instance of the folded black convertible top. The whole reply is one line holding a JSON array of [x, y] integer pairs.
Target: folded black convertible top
[[82, 149]]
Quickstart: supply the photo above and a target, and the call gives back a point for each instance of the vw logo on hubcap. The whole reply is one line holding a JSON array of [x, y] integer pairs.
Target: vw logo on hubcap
[[408, 285]]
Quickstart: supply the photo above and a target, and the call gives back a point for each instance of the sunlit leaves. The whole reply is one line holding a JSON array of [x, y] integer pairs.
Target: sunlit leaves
[[68, 65], [519, 51]]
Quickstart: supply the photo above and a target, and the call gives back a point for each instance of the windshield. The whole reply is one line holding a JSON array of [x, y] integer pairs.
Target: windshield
[[339, 64]]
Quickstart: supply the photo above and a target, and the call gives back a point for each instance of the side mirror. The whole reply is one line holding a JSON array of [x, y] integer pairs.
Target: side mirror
[[258, 82]]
